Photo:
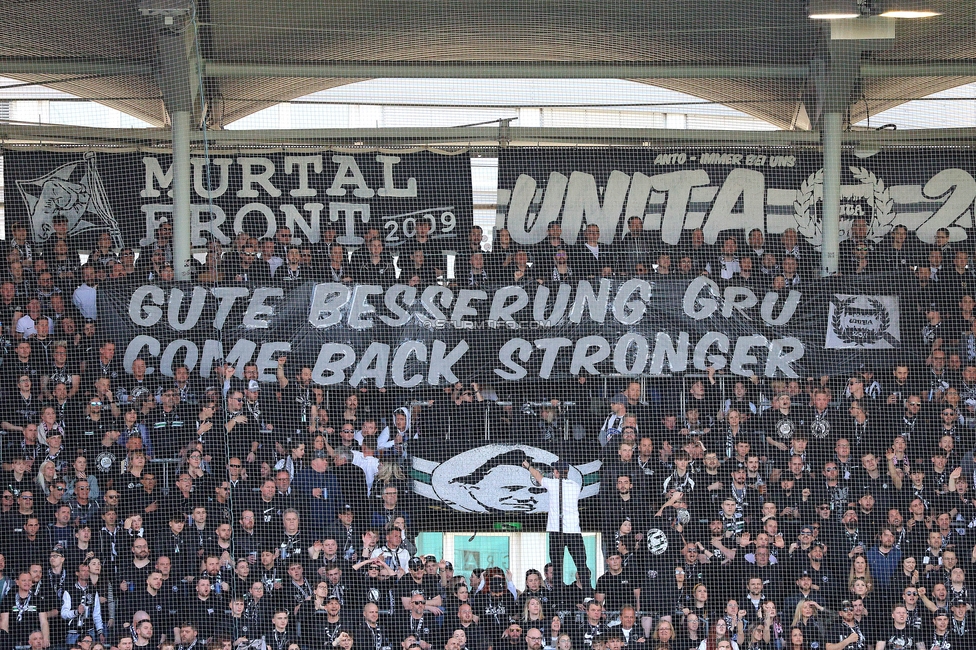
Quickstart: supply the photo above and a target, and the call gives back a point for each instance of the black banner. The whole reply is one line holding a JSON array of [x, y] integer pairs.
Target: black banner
[[127, 194], [737, 190], [407, 337]]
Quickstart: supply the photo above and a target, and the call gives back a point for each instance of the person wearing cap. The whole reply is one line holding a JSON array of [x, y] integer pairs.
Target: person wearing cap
[[563, 525], [939, 637], [804, 541], [848, 537], [444, 571], [260, 409], [168, 426], [846, 633], [420, 581], [804, 591], [819, 568], [345, 531], [960, 623], [321, 617]]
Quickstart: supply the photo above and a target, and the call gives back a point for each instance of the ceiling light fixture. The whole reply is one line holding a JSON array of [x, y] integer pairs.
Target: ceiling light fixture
[[833, 9], [908, 9]]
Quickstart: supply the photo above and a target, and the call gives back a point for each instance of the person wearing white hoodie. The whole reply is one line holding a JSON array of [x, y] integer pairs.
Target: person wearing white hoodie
[[395, 439]]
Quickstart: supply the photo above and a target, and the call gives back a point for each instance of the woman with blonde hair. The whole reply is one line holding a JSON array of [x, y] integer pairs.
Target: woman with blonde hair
[[532, 615], [805, 619], [47, 474]]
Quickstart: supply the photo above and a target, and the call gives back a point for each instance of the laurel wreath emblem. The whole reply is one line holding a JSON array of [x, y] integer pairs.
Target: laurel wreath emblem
[[810, 225], [856, 335]]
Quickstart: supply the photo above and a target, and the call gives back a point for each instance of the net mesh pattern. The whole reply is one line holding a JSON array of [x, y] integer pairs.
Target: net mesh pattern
[[571, 373]]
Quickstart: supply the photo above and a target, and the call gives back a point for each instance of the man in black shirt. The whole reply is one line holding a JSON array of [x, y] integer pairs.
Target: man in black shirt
[[897, 634], [20, 365], [169, 429], [420, 625], [152, 599], [205, 609], [616, 587], [243, 431], [418, 580], [297, 589], [138, 569], [846, 634], [939, 637], [369, 635], [22, 407], [960, 623], [22, 614], [592, 626]]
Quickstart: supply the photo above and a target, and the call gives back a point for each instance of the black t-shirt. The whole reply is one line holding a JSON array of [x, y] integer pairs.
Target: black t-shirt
[[618, 589], [895, 639], [316, 625], [13, 368], [105, 461], [24, 616], [11, 483], [407, 585], [931, 640], [839, 632], [20, 412], [295, 409]]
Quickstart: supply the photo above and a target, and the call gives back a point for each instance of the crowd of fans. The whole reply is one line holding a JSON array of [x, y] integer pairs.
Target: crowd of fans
[[834, 513]]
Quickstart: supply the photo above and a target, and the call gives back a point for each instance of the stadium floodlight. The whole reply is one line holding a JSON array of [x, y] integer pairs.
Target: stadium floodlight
[[908, 9], [833, 9]]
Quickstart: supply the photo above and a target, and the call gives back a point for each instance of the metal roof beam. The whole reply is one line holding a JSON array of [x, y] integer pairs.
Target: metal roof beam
[[475, 69], [503, 70], [72, 67], [54, 135], [566, 70]]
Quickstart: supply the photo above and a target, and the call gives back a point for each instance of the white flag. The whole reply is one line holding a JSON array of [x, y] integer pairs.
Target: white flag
[[863, 322]]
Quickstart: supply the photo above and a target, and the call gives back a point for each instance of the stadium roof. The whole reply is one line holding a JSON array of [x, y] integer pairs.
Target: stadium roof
[[763, 57]]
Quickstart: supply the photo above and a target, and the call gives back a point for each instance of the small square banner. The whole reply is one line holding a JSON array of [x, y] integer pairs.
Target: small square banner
[[863, 322]]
